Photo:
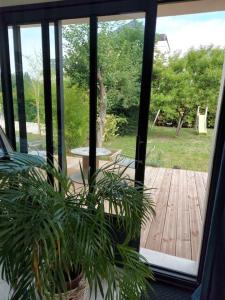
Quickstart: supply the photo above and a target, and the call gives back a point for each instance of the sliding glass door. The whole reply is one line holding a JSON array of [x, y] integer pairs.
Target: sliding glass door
[[76, 89]]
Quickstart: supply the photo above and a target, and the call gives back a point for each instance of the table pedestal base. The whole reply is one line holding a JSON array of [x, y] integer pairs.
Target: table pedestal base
[[86, 165], [85, 168]]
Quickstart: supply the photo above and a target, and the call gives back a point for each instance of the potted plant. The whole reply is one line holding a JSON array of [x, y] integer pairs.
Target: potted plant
[[55, 238]]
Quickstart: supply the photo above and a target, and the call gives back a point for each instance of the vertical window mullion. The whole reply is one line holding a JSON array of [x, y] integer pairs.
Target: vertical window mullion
[[7, 84], [20, 88], [60, 96], [93, 59], [47, 94], [145, 96]]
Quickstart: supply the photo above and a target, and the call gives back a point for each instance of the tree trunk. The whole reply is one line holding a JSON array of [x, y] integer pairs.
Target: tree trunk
[[180, 124], [156, 118], [101, 110]]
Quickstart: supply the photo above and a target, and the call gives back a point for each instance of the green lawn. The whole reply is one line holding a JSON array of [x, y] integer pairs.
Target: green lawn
[[188, 151], [33, 139]]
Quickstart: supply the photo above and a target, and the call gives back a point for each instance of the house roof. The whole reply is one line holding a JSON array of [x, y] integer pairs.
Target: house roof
[[162, 37]]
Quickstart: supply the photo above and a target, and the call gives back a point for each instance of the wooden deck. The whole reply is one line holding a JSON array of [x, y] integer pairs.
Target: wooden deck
[[179, 197]]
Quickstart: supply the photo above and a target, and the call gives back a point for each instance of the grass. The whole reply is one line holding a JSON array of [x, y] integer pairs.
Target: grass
[[32, 138], [188, 151]]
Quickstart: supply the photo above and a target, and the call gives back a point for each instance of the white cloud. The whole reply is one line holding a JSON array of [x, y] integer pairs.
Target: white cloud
[[185, 33]]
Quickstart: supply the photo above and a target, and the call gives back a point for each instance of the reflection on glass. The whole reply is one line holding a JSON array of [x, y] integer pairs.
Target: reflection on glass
[[53, 91], [76, 95], [185, 91], [14, 92], [2, 121], [120, 48], [33, 88]]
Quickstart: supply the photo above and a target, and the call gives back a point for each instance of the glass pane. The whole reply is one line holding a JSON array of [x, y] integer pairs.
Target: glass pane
[[185, 89], [2, 120], [14, 92], [53, 89], [120, 40], [76, 97], [33, 88]]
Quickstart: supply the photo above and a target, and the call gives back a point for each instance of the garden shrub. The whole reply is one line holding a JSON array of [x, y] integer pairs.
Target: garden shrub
[[76, 117], [112, 125]]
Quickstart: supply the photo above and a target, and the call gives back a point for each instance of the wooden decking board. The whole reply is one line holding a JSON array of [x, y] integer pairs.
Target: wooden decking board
[[183, 220], [205, 179], [179, 197], [170, 229], [150, 176], [201, 192], [154, 239], [156, 184], [195, 215], [183, 238]]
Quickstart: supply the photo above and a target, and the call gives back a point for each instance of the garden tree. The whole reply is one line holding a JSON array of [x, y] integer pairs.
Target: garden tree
[[181, 89], [205, 66], [159, 84], [35, 71], [76, 115], [30, 101], [29, 98], [14, 94], [186, 82], [119, 67]]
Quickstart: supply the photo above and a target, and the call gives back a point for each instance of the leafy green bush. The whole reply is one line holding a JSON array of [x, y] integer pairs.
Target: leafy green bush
[[112, 125], [185, 82], [128, 119], [76, 112], [76, 108], [75, 117], [110, 129]]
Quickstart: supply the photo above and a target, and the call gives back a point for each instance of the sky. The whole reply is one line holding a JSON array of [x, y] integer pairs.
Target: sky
[[183, 32], [186, 31]]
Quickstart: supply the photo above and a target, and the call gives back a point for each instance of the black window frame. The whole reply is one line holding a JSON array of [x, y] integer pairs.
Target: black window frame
[[55, 12]]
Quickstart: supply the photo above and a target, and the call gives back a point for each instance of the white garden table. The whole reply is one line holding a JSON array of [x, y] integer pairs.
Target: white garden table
[[84, 153]]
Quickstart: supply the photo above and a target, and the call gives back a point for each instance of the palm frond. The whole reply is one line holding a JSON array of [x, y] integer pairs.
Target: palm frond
[[45, 231]]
